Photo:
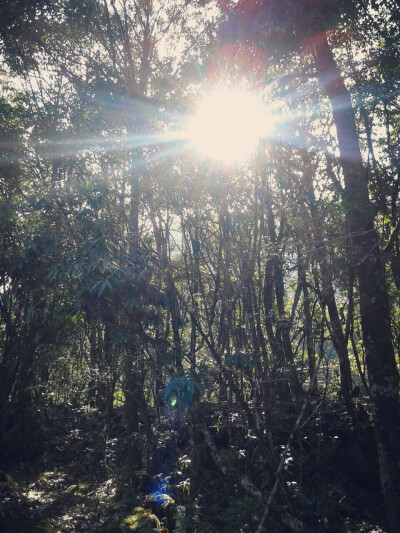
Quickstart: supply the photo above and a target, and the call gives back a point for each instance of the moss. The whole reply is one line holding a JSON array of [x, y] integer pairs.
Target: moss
[[163, 506], [140, 521]]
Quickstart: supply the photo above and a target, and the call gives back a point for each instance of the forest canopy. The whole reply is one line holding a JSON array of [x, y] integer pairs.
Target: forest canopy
[[199, 265]]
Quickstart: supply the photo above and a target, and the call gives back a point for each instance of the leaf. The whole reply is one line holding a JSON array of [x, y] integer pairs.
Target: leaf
[[111, 247], [133, 302], [103, 286], [53, 274]]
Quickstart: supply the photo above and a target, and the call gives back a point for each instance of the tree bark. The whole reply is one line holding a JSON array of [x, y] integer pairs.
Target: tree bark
[[302, 274], [374, 303]]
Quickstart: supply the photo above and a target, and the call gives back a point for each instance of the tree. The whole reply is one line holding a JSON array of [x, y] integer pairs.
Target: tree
[[307, 27]]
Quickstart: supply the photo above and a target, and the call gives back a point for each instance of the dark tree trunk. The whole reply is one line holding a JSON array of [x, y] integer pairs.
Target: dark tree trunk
[[134, 460], [132, 382], [374, 304]]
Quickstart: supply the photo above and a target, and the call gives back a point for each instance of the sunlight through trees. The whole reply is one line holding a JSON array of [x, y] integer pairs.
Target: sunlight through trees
[[199, 266]]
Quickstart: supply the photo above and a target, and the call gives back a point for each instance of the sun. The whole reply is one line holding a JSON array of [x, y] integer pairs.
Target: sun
[[228, 124]]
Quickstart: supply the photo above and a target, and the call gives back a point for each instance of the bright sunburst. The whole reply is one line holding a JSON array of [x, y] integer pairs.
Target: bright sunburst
[[228, 124]]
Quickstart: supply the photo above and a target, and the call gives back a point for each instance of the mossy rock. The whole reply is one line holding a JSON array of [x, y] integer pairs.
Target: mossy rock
[[164, 507], [140, 521]]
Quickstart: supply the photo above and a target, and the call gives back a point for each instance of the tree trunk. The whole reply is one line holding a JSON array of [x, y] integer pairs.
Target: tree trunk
[[282, 335], [374, 303], [302, 273], [134, 460], [338, 337], [328, 294]]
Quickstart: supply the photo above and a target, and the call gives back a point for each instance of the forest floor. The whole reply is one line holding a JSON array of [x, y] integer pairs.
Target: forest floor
[[72, 486], [68, 488]]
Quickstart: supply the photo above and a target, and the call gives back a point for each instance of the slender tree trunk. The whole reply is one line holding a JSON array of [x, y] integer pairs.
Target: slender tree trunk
[[134, 460], [133, 380], [374, 303], [8, 374], [282, 335], [338, 337], [194, 430], [302, 272], [328, 294]]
